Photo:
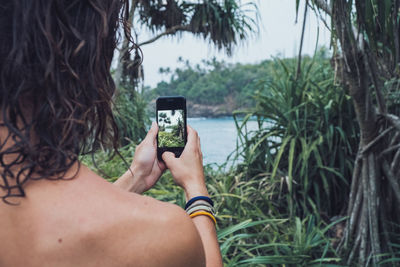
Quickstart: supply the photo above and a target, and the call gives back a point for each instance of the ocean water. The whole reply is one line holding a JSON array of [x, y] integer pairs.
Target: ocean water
[[218, 137]]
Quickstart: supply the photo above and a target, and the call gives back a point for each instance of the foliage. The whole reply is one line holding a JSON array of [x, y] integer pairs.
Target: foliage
[[365, 35], [306, 138], [108, 164], [131, 114], [166, 139], [223, 22], [213, 82], [170, 133], [250, 234], [274, 206]]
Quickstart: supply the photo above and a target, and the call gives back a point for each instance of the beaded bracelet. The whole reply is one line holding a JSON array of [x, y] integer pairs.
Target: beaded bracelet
[[197, 213], [199, 198]]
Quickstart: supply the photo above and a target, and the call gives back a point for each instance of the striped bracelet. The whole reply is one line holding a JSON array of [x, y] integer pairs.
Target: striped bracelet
[[198, 203], [209, 209], [191, 201]]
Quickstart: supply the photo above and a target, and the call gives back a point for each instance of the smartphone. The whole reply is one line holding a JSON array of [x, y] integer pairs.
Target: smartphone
[[171, 120]]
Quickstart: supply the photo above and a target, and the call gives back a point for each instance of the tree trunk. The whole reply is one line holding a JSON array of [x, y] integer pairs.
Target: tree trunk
[[374, 184], [121, 64]]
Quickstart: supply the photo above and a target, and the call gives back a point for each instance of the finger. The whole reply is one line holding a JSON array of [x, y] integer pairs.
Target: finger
[[199, 147], [192, 137], [161, 165], [152, 134], [169, 158], [198, 142]]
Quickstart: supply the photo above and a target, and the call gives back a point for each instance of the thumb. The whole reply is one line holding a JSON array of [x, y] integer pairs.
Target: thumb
[[151, 135], [169, 158]]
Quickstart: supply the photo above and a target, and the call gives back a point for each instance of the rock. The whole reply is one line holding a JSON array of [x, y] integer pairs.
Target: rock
[[196, 110], [200, 110]]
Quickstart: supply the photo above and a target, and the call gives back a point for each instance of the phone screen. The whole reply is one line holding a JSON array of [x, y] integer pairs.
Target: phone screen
[[171, 128], [171, 119]]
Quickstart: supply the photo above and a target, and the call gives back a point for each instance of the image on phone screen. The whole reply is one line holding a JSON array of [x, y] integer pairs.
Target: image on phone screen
[[171, 128]]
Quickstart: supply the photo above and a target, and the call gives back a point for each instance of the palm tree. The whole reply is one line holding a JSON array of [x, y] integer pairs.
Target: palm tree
[[223, 22]]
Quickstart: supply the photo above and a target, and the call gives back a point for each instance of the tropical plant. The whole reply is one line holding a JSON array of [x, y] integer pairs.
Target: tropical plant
[[223, 22], [131, 114], [108, 164], [365, 35], [302, 243], [306, 138], [259, 222], [252, 232]]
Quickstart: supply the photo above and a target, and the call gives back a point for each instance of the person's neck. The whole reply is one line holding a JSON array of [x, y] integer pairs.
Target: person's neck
[[6, 143]]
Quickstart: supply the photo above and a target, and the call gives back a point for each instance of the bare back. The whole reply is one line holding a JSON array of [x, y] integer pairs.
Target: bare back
[[89, 222]]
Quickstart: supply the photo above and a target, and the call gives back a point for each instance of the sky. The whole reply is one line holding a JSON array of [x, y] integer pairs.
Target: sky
[[279, 35]]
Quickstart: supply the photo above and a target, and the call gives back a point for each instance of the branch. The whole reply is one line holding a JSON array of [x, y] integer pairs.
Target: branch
[[355, 212], [390, 149], [376, 140], [392, 180], [395, 161], [394, 120], [321, 4], [169, 31], [354, 183], [373, 208], [364, 213], [125, 44], [301, 40], [354, 249], [395, 139], [372, 68], [385, 229]]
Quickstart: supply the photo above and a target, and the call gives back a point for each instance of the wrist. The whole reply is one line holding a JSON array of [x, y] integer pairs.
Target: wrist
[[132, 182], [195, 190], [138, 183]]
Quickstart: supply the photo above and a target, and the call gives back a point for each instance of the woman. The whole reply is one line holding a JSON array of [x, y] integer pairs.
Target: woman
[[55, 93]]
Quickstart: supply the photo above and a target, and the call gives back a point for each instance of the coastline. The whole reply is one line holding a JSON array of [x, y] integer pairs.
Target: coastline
[[195, 110]]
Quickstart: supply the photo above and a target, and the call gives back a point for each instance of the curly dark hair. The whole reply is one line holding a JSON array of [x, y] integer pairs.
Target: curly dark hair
[[56, 87]]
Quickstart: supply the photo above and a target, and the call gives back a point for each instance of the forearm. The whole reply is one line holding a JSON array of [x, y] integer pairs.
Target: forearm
[[206, 228], [129, 183], [208, 235]]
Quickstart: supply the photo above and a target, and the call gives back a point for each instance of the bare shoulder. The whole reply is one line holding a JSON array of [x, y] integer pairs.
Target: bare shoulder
[[89, 222], [155, 234], [136, 230]]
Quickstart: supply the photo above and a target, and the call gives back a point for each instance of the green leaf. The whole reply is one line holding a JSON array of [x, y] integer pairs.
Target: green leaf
[[279, 155]]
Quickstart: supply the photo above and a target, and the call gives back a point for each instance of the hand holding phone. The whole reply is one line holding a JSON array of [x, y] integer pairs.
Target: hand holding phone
[[171, 119], [188, 169], [145, 169]]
